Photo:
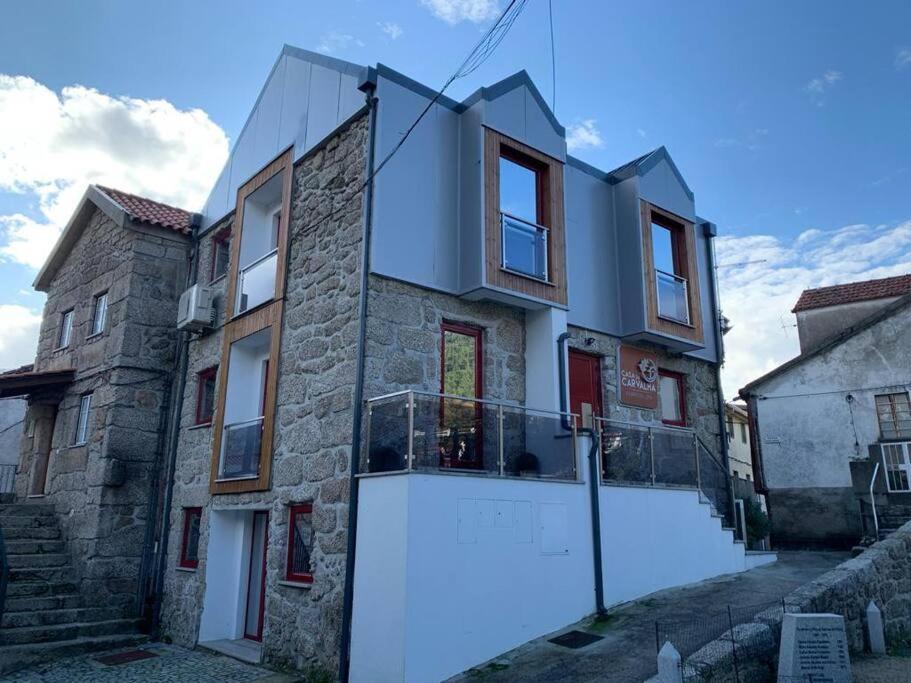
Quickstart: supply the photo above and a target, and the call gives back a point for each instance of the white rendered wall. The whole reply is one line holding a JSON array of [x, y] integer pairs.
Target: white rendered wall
[[227, 574], [654, 538], [542, 379]]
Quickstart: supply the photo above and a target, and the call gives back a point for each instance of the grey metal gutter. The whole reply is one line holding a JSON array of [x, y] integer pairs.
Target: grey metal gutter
[[369, 87]]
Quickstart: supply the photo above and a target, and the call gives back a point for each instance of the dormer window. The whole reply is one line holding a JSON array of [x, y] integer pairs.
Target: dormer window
[[524, 237]]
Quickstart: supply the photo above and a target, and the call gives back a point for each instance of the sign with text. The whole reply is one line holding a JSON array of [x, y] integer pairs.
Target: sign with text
[[638, 378], [814, 647]]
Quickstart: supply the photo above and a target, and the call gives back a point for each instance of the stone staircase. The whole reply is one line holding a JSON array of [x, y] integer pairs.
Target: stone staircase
[[891, 517], [44, 616]]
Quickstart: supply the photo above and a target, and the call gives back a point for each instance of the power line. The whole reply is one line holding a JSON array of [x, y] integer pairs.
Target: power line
[[553, 60]]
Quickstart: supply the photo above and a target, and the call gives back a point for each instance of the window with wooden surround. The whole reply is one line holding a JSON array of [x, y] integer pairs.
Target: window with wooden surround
[[205, 395], [300, 541], [524, 223], [221, 254], [671, 274], [672, 398], [189, 545], [894, 414]]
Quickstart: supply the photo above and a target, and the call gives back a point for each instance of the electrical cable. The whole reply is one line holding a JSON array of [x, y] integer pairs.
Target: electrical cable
[[553, 60]]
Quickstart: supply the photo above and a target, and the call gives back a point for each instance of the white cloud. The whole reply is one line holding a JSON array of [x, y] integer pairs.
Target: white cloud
[[758, 297], [818, 87], [20, 327], [903, 58], [390, 28], [455, 11], [54, 145], [583, 135], [641, 133], [751, 141], [333, 41]]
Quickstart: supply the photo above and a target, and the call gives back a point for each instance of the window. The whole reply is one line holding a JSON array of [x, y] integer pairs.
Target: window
[[66, 329], [100, 313], [221, 254], [259, 239], [894, 413], [189, 547], [205, 395], [524, 237], [671, 398], [743, 432], [82, 420], [730, 430], [670, 263], [300, 540], [461, 422]]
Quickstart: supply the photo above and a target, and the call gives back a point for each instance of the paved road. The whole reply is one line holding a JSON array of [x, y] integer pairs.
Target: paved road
[[627, 652]]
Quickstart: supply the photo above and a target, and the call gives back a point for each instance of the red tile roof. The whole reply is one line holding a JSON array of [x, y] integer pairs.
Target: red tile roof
[[149, 211], [21, 370], [852, 292]]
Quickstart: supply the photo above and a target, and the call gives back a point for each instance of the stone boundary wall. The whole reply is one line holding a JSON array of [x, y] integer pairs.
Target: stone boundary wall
[[882, 574]]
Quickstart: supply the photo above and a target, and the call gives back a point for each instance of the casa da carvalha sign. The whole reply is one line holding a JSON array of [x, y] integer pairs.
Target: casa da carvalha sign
[[638, 378]]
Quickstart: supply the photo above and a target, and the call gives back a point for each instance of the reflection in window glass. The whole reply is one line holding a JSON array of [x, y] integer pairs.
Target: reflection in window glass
[[518, 190], [670, 399], [663, 248]]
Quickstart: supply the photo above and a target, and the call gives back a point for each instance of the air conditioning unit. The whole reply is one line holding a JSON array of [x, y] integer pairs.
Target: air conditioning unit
[[196, 310]]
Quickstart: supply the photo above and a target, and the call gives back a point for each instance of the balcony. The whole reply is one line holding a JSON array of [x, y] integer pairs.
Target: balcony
[[416, 431], [524, 247], [641, 455], [256, 282], [673, 297], [241, 448]]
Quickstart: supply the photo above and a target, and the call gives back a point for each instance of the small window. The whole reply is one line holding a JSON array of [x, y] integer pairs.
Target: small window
[[671, 398], [82, 420], [669, 259], [221, 254], [523, 235], [189, 547], [743, 432], [205, 395], [300, 540], [730, 430], [100, 313], [66, 329], [894, 413]]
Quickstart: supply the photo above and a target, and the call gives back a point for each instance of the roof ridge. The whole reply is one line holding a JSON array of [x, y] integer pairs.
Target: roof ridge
[[852, 292], [108, 190]]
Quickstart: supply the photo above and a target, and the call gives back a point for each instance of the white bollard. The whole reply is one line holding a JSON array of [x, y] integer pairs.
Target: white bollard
[[875, 633], [670, 668]]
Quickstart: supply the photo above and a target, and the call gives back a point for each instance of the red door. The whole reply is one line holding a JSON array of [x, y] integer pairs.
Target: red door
[[584, 383]]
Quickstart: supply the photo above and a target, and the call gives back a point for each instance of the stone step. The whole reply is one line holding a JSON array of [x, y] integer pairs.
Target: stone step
[[53, 617], [18, 509], [31, 603], [32, 589], [30, 546], [37, 560], [15, 657], [44, 634], [61, 573], [26, 533], [27, 521]]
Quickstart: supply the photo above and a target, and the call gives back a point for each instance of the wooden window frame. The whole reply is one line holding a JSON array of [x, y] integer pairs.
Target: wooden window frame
[[183, 561], [201, 378], [549, 191], [294, 510], [685, 256], [220, 240], [895, 420], [680, 379]]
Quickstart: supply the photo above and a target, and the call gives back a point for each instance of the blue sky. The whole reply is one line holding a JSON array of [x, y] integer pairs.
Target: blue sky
[[790, 121]]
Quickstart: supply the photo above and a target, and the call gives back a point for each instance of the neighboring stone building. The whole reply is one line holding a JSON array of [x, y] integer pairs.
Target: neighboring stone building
[[97, 399], [827, 417]]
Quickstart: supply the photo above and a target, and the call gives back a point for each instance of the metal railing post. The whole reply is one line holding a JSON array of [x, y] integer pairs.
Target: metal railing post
[[366, 442], [410, 431], [576, 450], [651, 452], [501, 465], [698, 469], [873, 501]]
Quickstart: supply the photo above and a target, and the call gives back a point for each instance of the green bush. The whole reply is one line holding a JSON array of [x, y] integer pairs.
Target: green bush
[[758, 524]]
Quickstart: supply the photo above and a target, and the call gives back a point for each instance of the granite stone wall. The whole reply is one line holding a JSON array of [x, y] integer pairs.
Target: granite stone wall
[[101, 489], [312, 436]]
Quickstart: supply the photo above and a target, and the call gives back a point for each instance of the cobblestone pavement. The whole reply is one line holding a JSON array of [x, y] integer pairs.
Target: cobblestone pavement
[[172, 664]]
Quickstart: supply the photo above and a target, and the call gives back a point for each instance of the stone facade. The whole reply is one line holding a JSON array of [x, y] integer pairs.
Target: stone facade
[[312, 439], [101, 489]]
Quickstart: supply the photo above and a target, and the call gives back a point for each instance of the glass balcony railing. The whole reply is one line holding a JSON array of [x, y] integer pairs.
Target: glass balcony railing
[[427, 432], [662, 456], [256, 282], [241, 445], [673, 299], [524, 247]]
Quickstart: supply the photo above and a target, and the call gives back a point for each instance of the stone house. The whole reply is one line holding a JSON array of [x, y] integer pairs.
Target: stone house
[[433, 378], [831, 418]]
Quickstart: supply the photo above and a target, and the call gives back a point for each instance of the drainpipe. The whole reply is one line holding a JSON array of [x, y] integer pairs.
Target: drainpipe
[[173, 434], [369, 87], [594, 484]]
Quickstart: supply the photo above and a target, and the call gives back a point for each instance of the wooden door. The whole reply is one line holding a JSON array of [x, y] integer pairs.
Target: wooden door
[[584, 386]]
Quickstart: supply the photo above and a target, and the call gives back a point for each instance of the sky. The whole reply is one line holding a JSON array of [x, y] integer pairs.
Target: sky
[[790, 121]]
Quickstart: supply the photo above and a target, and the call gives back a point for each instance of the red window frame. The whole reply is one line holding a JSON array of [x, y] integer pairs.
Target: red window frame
[[220, 240], [290, 575], [678, 377], [188, 515], [202, 377], [468, 331]]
